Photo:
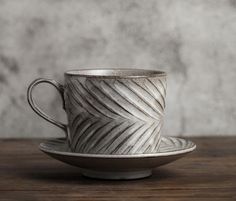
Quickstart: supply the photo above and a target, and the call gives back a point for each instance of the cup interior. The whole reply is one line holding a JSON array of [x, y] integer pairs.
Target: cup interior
[[113, 73]]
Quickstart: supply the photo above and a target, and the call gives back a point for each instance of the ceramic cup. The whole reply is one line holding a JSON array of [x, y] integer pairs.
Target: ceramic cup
[[110, 111]]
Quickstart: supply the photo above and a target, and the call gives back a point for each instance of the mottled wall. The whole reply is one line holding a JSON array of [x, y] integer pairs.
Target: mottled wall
[[193, 40]]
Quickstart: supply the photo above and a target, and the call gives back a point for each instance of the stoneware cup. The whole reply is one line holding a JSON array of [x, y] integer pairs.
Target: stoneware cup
[[110, 111]]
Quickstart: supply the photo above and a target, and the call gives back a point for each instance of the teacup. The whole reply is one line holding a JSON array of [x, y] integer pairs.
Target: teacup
[[110, 111]]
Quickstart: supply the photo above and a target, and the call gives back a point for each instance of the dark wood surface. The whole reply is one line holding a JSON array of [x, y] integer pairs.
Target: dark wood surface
[[209, 173]]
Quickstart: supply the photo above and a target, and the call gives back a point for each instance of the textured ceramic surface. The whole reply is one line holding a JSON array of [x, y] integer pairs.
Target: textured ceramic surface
[[111, 111], [119, 166]]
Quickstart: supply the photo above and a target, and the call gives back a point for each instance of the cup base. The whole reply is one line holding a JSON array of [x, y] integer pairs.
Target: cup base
[[116, 175]]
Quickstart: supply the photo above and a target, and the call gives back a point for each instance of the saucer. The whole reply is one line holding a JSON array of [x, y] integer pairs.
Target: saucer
[[119, 166]]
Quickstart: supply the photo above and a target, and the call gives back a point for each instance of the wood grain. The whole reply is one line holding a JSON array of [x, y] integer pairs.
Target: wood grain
[[207, 174]]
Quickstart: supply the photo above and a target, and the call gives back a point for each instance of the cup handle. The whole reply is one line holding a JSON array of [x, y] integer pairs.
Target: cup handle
[[34, 106]]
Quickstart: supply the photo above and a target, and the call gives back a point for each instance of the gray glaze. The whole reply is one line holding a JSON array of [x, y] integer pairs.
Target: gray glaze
[[111, 111], [119, 166]]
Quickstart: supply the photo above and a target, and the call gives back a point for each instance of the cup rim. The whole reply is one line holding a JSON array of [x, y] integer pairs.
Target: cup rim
[[115, 73]]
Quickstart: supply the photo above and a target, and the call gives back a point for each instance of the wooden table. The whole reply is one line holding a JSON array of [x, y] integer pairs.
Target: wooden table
[[207, 174]]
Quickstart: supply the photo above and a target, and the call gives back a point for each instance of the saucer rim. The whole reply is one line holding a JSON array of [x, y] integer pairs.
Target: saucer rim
[[103, 156]]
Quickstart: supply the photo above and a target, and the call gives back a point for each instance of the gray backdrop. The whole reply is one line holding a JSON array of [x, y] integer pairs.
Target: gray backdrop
[[194, 41]]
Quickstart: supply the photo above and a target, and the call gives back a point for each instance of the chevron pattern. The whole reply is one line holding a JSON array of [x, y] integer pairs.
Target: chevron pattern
[[115, 116]]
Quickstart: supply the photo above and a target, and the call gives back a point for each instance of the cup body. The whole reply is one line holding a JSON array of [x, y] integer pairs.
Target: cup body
[[115, 111]]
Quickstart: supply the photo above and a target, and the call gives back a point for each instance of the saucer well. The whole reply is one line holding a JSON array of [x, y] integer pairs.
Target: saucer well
[[119, 166]]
